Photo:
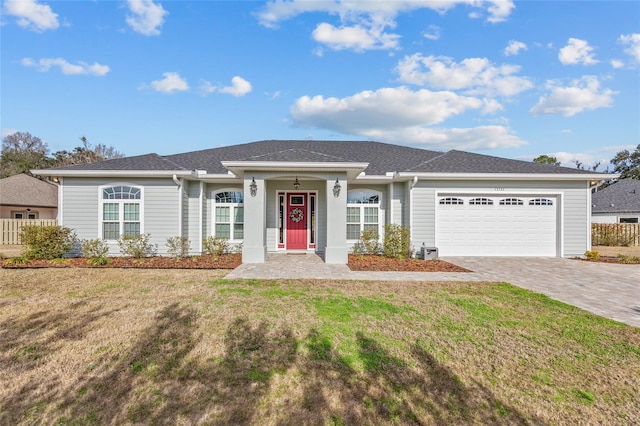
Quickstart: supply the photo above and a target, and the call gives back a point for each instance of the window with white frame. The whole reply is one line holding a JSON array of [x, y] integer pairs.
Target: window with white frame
[[363, 212], [540, 202], [120, 211], [228, 215]]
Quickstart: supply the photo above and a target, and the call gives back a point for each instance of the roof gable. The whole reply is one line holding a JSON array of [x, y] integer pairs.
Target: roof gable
[[25, 190]]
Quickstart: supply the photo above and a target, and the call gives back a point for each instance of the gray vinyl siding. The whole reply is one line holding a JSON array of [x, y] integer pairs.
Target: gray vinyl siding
[[399, 203], [81, 206], [572, 199], [191, 224]]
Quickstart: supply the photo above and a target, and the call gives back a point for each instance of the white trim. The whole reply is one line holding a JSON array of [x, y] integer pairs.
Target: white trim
[[60, 215], [391, 204], [232, 208], [112, 173], [510, 176], [379, 204], [180, 183], [201, 217], [557, 195], [286, 194], [120, 203]]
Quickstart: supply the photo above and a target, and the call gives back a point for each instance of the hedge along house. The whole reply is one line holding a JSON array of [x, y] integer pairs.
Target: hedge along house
[[317, 196]]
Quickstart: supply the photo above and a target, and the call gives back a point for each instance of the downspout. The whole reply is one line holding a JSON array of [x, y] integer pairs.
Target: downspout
[[179, 182], [412, 183], [200, 216]]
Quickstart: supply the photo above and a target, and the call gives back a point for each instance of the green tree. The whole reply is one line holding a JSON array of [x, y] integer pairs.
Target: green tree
[[627, 163], [546, 159], [21, 152]]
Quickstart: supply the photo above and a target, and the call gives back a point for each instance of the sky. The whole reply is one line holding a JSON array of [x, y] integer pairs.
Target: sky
[[511, 79]]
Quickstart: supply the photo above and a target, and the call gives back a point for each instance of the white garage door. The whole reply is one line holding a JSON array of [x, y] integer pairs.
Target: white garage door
[[486, 225]]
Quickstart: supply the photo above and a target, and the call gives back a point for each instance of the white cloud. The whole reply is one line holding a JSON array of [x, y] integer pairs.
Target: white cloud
[[514, 48], [582, 95], [473, 75], [206, 87], [433, 33], [633, 41], [32, 15], [364, 23], [577, 52], [587, 159], [146, 17], [386, 108], [67, 68], [8, 132], [172, 82], [355, 37], [616, 63], [239, 87]]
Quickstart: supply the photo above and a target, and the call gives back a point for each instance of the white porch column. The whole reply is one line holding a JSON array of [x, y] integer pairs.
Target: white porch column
[[254, 247], [336, 249]]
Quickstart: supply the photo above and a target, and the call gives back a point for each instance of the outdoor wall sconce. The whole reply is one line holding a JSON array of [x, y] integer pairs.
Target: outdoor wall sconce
[[253, 187], [296, 184], [336, 189]]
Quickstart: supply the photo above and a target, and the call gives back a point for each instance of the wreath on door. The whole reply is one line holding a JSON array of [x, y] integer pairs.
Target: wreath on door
[[296, 215]]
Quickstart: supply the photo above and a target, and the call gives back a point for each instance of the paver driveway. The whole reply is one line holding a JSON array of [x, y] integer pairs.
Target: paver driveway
[[610, 290]]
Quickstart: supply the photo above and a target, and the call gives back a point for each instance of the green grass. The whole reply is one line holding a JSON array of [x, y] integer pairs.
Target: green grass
[[155, 347]]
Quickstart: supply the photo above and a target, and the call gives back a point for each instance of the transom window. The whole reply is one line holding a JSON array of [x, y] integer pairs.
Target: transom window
[[481, 202], [540, 202], [511, 202], [363, 212], [121, 211], [228, 215], [452, 201]]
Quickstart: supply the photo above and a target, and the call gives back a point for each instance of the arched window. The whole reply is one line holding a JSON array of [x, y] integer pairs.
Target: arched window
[[481, 202], [451, 201], [511, 202], [540, 202], [363, 212], [120, 211], [228, 215]]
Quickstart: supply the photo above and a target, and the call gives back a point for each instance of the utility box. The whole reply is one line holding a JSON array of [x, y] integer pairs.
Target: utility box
[[428, 253]]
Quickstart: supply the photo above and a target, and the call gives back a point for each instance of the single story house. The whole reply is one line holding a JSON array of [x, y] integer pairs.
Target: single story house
[[25, 197], [317, 196], [617, 203]]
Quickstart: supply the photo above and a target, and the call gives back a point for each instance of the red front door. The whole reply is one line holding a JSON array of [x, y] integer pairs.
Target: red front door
[[297, 221]]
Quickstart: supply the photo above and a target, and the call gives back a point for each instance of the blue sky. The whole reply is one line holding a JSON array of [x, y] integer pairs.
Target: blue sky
[[512, 79]]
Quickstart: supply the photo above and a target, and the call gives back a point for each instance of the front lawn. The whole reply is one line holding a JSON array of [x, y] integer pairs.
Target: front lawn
[[117, 346]]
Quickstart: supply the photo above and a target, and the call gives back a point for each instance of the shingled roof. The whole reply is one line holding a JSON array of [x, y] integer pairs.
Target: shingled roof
[[27, 191], [621, 197], [382, 158]]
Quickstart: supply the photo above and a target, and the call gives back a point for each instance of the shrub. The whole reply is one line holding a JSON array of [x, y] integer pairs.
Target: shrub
[[18, 260], [370, 241], [628, 259], [47, 242], [592, 255], [397, 241], [178, 247], [216, 246], [137, 246], [96, 250]]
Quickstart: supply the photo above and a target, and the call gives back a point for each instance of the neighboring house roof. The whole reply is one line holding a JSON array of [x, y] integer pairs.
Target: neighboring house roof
[[382, 158], [621, 197], [27, 191]]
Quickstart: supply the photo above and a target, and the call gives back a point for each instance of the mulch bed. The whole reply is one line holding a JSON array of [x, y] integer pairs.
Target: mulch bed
[[380, 263], [227, 261]]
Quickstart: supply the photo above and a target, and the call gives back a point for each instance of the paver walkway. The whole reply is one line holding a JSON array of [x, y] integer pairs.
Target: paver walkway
[[609, 290]]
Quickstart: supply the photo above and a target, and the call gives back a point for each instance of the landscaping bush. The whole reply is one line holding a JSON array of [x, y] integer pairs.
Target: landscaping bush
[[216, 246], [592, 255], [397, 241], [137, 246], [178, 247], [96, 250], [47, 242], [370, 241]]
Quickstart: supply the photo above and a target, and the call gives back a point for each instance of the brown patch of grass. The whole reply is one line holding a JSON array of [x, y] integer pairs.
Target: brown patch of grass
[[91, 346]]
